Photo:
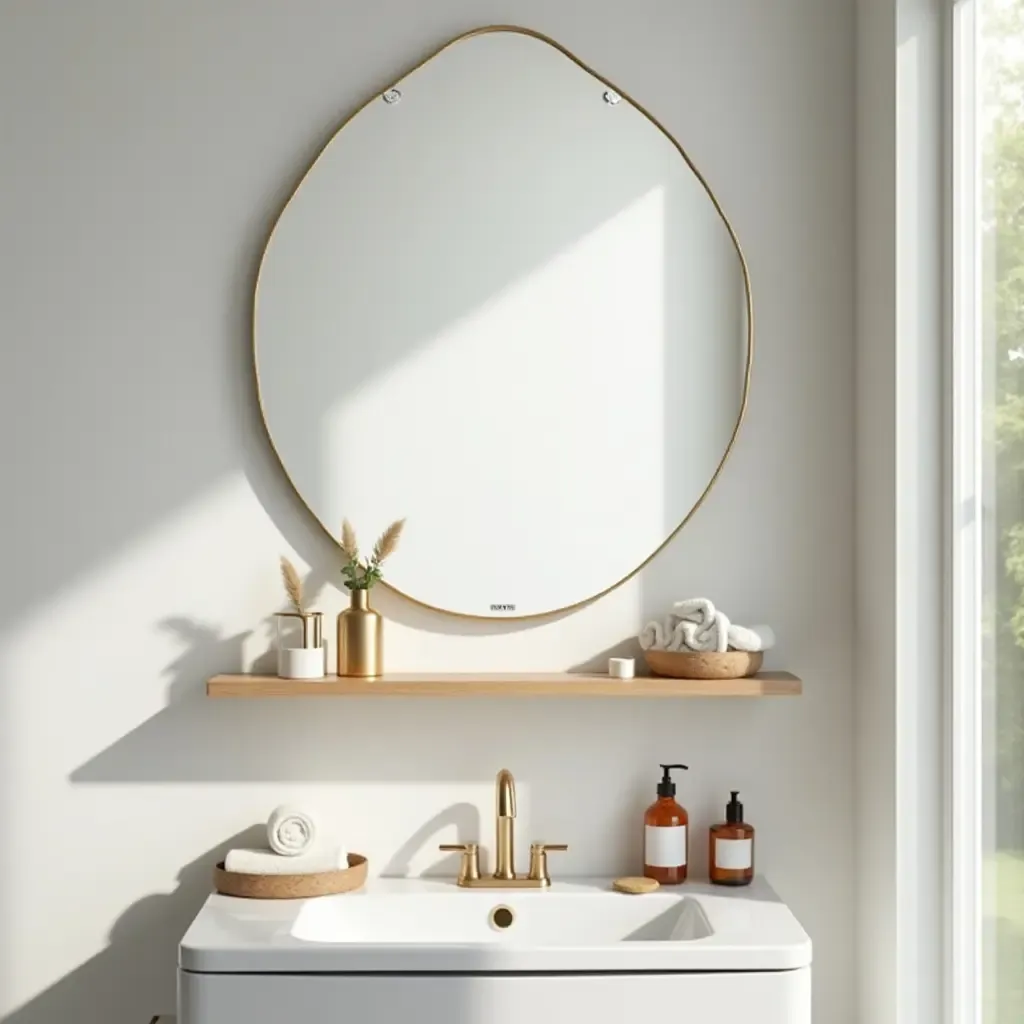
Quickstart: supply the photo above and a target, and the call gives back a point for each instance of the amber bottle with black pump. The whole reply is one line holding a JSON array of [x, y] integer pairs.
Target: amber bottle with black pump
[[665, 833], [731, 847]]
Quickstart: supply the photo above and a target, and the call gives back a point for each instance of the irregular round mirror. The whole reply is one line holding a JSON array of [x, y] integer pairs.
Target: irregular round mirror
[[503, 304]]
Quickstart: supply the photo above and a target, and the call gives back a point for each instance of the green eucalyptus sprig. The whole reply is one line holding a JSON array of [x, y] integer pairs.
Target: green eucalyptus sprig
[[364, 573]]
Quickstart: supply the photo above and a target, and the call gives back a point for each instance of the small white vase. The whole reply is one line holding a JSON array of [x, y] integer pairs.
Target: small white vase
[[301, 662]]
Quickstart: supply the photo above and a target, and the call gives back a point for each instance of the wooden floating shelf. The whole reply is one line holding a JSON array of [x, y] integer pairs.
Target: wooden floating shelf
[[503, 684]]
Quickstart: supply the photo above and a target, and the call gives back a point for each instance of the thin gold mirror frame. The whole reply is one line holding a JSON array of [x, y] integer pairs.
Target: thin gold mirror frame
[[372, 98]]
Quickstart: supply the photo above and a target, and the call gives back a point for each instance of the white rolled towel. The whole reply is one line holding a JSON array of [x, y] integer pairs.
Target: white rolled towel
[[696, 625], [700, 610], [291, 831], [667, 635], [751, 638], [655, 636], [691, 636], [724, 635], [266, 862]]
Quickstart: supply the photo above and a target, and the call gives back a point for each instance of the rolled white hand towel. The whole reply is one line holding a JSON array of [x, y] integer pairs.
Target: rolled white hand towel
[[688, 636], [291, 831], [685, 637], [751, 638], [722, 625], [700, 610], [694, 624], [674, 638], [266, 862], [691, 636], [654, 637]]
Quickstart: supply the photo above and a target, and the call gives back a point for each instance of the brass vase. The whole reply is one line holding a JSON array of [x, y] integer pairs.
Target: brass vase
[[360, 638]]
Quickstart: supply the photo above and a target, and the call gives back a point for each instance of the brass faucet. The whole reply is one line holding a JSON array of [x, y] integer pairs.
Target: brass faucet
[[504, 876], [504, 826]]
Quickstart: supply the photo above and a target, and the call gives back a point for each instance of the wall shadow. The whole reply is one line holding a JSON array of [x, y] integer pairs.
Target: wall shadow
[[143, 941], [196, 739], [466, 819], [142, 945], [629, 647]]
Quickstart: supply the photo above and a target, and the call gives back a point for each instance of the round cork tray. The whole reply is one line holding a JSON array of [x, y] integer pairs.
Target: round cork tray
[[291, 887], [704, 665]]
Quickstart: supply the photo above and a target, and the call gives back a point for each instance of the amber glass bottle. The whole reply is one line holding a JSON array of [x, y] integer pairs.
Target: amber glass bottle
[[665, 833], [731, 847]]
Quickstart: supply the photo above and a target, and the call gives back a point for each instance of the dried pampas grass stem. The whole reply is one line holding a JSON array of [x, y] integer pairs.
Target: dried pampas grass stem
[[292, 585], [348, 540], [364, 573], [387, 543]]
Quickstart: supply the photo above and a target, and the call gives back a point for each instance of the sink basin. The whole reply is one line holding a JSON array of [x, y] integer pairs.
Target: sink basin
[[404, 950], [422, 925], [546, 919]]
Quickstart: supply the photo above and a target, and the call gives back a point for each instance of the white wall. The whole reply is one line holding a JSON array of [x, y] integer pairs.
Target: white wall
[[146, 148]]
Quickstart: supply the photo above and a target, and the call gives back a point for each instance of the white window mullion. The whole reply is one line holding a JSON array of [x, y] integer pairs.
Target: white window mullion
[[965, 719]]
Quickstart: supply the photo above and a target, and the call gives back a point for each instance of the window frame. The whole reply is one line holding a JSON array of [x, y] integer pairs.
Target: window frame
[[964, 780]]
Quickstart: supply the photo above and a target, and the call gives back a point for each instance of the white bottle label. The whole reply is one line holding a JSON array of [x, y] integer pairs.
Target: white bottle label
[[665, 846], [734, 854]]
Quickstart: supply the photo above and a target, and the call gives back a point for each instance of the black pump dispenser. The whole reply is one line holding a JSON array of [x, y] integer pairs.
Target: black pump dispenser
[[667, 787], [734, 809]]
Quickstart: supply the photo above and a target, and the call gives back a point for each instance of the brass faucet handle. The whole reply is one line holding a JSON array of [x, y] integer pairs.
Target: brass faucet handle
[[469, 866], [539, 860]]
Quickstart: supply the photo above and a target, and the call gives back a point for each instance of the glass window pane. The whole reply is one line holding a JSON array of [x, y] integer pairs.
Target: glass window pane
[[1000, 134]]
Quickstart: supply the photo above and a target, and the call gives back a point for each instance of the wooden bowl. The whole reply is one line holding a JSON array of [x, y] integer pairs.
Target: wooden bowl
[[291, 887], [704, 665]]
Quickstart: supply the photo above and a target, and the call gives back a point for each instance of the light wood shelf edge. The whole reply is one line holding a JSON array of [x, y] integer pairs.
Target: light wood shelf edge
[[503, 684]]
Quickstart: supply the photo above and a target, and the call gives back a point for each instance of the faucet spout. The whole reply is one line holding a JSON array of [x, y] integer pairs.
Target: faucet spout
[[505, 794], [505, 807]]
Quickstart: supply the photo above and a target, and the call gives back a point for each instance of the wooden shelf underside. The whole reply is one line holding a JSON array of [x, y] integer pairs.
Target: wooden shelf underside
[[503, 684]]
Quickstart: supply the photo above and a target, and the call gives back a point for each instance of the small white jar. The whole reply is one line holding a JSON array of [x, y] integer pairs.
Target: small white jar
[[621, 668], [302, 662]]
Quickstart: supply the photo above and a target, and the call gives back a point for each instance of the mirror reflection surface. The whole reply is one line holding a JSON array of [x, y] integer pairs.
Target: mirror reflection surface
[[504, 305]]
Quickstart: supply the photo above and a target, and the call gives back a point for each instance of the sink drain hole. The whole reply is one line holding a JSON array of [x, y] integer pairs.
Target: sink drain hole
[[502, 917]]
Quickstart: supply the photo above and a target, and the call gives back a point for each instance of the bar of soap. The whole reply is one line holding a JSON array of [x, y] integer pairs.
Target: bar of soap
[[635, 886]]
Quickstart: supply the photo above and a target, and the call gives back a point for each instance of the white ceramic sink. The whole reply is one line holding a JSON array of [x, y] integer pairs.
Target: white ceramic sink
[[583, 920], [419, 925]]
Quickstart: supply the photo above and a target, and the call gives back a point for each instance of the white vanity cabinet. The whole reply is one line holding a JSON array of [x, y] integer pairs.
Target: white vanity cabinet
[[767, 997], [404, 950]]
